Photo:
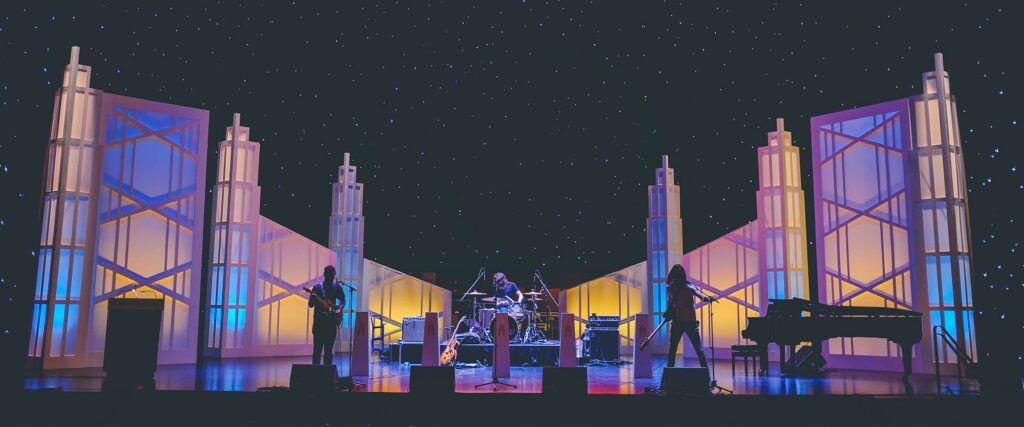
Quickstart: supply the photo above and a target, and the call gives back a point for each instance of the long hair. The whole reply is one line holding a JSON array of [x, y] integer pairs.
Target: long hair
[[676, 276]]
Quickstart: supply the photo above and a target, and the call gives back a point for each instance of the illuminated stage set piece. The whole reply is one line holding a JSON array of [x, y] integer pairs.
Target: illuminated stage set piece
[[123, 213]]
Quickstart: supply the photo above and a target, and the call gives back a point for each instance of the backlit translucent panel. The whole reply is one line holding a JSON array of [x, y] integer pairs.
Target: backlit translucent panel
[[221, 208], [793, 210], [933, 182], [617, 294], [81, 79], [223, 163], [57, 332], [146, 248], [969, 343], [175, 325], [35, 346], [293, 321], [83, 122], [955, 169], [796, 248], [765, 170], [728, 270], [152, 168], [965, 281], [860, 166], [240, 244], [71, 333], [43, 275], [217, 285], [947, 319]]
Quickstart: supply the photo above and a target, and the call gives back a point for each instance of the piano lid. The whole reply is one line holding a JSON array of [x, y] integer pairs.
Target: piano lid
[[795, 306]]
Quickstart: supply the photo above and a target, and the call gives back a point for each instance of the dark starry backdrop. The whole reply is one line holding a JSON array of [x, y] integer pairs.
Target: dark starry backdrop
[[522, 135]]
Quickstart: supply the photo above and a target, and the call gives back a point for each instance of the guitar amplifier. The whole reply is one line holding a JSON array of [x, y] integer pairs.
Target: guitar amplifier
[[412, 329], [596, 321], [603, 344]]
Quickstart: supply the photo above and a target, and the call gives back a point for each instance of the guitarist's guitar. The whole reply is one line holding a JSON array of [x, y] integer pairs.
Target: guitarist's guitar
[[450, 353], [647, 340], [333, 310]]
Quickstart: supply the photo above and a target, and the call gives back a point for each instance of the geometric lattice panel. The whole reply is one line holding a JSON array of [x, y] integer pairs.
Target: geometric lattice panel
[[863, 224], [150, 216], [726, 269]]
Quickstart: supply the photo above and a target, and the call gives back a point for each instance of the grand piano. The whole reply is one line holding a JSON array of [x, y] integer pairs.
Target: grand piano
[[785, 324]]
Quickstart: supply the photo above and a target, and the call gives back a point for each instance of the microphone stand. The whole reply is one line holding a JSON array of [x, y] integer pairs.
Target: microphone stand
[[544, 286], [480, 275], [536, 275], [352, 331]]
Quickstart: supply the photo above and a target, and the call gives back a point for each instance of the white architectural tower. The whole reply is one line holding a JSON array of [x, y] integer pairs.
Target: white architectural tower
[[664, 242], [67, 240], [782, 227], [233, 259], [346, 240]]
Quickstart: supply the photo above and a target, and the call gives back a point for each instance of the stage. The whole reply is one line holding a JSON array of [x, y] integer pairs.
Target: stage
[[254, 374], [253, 391]]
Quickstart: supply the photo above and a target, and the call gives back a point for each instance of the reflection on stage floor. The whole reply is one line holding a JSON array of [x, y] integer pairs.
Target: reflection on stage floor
[[253, 374]]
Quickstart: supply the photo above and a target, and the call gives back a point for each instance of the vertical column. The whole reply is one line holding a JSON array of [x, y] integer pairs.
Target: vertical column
[[664, 243], [60, 309], [346, 240], [782, 247], [233, 257], [941, 217]]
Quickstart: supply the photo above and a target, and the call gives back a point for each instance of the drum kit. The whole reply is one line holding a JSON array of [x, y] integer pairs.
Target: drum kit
[[522, 318]]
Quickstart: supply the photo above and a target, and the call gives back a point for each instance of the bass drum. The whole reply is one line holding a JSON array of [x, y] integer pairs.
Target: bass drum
[[513, 329]]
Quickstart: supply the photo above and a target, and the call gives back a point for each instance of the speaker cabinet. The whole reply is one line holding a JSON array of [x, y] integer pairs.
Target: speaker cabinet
[[412, 329], [603, 344], [432, 380], [686, 381], [565, 381], [313, 379]]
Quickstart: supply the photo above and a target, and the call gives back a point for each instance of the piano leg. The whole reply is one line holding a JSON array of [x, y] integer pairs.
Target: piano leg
[[907, 350], [762, 355]]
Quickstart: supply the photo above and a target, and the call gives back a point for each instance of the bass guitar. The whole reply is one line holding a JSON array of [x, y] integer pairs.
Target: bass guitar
[[331, 309], [450, 351]]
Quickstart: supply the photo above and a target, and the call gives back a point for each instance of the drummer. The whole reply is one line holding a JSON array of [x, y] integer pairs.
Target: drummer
[[505, 292]]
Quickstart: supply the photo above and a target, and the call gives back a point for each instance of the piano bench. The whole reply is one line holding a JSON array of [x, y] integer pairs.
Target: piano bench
[[746, 352]]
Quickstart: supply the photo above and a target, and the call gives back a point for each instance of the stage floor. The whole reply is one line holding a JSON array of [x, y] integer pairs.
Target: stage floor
[[251, 374]]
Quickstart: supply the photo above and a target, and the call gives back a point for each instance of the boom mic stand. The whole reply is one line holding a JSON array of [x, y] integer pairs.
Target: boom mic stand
[[536, 275], [479, 275], [483, 329], [714, 383], [538, 279]]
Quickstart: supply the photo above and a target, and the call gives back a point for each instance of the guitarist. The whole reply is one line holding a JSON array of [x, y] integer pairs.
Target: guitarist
[[683, 314], [325, 327]]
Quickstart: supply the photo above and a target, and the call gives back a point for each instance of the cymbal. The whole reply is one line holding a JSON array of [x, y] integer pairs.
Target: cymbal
[[488, 299], [534, 299], [476, 293], [533, 293]]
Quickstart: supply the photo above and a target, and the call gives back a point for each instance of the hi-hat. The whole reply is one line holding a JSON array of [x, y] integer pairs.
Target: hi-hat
[[475, 293], [532, 293]]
